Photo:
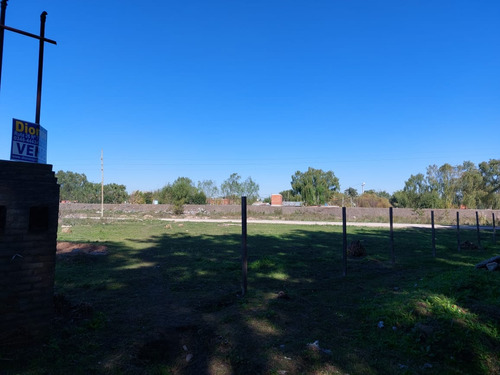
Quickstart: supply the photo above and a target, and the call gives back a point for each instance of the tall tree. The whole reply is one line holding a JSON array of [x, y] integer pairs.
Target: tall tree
[[470, 191], [491, 179], [232, 187], [314, 186], [351, 192], [209, 188], [114, 193], [71, 185], [250, 189], [418, 193]]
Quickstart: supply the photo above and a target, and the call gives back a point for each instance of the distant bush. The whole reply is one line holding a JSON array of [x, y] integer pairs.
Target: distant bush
[[373, 201]]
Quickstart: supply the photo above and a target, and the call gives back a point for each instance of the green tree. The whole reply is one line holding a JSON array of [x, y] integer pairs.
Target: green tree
[[71, 185], [114, 193], [445, 181], [351, 192], [181, 192], [490, 171], [209, 188], [232, 187], [470, 191], [289, 196], [137, 197], [250, 189], [418, 193], [314, 186]]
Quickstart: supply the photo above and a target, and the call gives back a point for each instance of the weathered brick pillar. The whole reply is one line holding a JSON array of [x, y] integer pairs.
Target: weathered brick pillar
[[29, 208]]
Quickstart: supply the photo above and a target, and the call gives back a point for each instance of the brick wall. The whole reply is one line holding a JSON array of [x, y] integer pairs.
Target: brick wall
[[276, 200], [29, 207]]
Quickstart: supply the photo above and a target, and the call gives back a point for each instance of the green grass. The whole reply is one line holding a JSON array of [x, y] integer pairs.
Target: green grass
[[162, 288]]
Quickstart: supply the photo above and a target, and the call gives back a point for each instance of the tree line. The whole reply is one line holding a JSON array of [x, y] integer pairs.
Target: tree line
[[446, 186], [75, 187]]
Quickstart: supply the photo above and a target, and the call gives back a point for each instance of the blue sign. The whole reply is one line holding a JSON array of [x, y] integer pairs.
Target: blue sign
[[29, 142]]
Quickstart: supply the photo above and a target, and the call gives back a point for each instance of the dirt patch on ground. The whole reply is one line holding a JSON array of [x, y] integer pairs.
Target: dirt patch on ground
[[71, 248]]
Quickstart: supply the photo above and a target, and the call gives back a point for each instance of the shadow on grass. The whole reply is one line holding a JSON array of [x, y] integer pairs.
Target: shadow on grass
[[168, 303]]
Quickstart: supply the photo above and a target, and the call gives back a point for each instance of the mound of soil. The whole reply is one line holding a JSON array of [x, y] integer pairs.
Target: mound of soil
[[71, 248]]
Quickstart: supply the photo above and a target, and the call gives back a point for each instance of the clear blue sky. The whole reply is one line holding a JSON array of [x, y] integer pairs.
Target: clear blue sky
[[373, 90]]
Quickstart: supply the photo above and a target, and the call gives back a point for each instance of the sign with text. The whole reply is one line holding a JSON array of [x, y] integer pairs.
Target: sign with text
[[29, 142]]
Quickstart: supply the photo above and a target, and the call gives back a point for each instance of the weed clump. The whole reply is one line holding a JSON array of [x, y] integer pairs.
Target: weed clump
[[356, 249]]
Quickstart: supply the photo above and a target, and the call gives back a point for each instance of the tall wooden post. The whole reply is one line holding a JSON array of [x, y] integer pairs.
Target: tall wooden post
[[458, 232], [344, 242], [433, 235], [494, 229], [244, 254], [391, 236], [478, 232]]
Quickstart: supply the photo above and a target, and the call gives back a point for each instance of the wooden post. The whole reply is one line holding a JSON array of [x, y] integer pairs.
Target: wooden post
[[494, 230], [433, 235], [244, 255], [391, 236], [458, 231], [344, 242], [478, 232]]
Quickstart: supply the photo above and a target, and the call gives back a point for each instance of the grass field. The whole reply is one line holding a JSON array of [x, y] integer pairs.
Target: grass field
[[166, 300]]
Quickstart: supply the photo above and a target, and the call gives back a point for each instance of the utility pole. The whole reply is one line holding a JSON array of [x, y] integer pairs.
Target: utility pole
[[102, 183], [363, 188], [2, 24], [42, 40]]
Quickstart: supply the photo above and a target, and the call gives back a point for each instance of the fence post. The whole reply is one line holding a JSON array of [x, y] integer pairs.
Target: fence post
[[478, 232], [458, 231], [433, 235], [344, 242], [494, 230], [391, 236], [244, 255]]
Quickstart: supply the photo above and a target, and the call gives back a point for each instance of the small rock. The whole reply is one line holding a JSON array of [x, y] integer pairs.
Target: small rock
[[168, 226], [185, 348], [380, 324], [427, 365], [283, 295], [189, 357], [492, 266], [180, 225], [482, 264], [314, 345]]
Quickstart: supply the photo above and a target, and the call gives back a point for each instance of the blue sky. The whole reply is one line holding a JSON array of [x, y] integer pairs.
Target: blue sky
[[373, 90]]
